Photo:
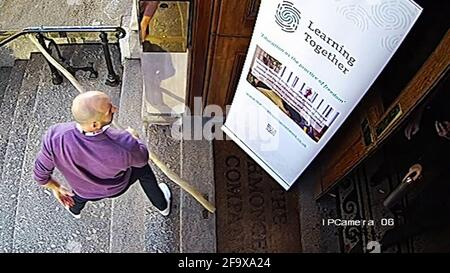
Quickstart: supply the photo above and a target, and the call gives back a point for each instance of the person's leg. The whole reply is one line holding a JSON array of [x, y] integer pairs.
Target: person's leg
[[148, 182], [80, 202]]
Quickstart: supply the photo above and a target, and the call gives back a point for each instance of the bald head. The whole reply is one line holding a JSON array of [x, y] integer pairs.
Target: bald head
[[90, 107]]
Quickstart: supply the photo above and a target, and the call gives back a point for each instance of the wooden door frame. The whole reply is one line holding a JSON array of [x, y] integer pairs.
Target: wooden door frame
[[202, 22], [206, 26]]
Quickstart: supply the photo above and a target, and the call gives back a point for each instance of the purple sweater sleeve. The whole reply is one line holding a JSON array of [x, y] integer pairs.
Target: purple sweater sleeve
[[138, 154], [44, 163], [149, 8]]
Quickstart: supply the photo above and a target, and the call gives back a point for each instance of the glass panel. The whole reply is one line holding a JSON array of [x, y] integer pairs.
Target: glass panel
[[164, 25]]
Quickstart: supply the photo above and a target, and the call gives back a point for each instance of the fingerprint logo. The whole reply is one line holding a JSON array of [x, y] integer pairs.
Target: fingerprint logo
[[355, 14], [287, 16], [390, 42], [392, 15]]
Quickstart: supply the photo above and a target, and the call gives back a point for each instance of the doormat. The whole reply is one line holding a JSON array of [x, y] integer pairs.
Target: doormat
[[254, 213]]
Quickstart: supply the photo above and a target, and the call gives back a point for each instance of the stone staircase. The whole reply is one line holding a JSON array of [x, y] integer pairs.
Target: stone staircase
[[31, 220], [190, 228]]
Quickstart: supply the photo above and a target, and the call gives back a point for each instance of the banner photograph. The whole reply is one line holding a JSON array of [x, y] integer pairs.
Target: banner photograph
[[308, 65], [293, 96]]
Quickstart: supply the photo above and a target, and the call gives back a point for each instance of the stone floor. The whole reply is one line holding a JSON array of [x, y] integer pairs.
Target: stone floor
[[31, 219], [16, 15]]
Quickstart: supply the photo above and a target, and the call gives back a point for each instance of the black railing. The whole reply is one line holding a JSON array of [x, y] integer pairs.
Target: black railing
[[112, 78]]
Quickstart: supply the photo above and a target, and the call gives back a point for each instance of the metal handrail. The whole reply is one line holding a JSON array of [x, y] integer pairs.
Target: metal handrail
[[112, 78], [120, 32]]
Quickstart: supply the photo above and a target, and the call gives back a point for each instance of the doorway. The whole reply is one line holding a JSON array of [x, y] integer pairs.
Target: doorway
[[164, 28]]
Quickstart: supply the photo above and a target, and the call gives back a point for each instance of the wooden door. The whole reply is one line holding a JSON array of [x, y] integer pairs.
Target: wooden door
[[368, 127], [226, 68], [236, 18], [222, 31]]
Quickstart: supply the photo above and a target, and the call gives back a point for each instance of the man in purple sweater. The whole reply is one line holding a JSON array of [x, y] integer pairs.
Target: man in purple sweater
[[97, 161]]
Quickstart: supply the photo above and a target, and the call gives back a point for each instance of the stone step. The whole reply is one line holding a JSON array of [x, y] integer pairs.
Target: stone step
[[128, 211], [130, 107], [6, 57], [136, 225], [15, 149], [130, 46], [42, 224], [82, 55], [197, 225], [4, 76], [163, 233], [8, 105]]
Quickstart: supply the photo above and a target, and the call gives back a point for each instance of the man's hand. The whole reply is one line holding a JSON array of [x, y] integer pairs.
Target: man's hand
[[61, 194], [144, 27], [133, 132], [443, 129], [411, 129], [413, 125]]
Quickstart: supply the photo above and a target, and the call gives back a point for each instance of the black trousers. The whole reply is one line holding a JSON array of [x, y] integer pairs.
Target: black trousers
[[148, 182]]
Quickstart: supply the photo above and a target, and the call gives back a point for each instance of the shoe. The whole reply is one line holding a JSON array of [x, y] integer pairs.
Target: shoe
[[76, 216], [167, 194]]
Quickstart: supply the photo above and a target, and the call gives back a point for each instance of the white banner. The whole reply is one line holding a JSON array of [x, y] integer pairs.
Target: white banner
[[308, 65]]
